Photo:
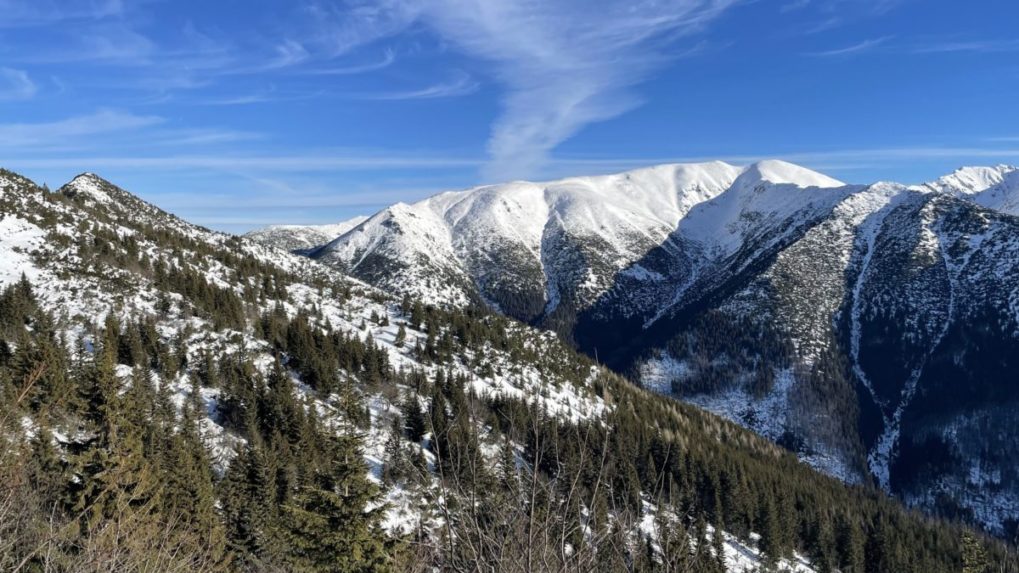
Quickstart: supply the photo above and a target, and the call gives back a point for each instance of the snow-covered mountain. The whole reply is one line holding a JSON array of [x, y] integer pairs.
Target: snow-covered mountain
[[252, 344], [92, 250], [302, 238], [846, 322], [536, 251]]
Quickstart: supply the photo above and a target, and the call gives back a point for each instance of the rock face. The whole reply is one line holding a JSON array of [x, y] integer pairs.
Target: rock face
[[873, 329]]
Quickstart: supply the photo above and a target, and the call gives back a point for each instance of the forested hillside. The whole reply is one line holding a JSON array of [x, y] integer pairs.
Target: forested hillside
[[176, 400], [871, 329]]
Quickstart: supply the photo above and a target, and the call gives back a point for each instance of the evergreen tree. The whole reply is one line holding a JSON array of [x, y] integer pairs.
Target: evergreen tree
[[116, 489], [771, 543], [247, 509], [974, 558], [718, 550], [849, 546], [401, 336], [329, 527], [413, 419], [397, 465]]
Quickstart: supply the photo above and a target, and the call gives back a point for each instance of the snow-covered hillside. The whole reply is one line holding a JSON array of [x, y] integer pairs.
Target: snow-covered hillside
[[253, 344], [526, 247], [86, 250], [302, 238], [624, 264]]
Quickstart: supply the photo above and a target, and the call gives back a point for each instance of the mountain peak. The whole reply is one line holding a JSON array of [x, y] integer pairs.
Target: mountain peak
[[303, 238], [90, 185], [972, 180], [783, 173]]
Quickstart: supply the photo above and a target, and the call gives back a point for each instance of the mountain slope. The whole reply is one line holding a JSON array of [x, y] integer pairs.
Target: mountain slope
[[302, 239], [241, 379], [854, 323], [530, 249], [819, 314]]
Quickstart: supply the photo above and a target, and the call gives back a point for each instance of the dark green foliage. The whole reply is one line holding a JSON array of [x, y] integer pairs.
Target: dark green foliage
[[974, 556], [296, 496], [414, 419], [326, 526]]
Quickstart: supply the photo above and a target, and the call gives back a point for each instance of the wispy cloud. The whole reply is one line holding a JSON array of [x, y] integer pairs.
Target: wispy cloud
[[821, 25], [858, 48], [863, 7], [973, 46], [340, 27], [262, 163], [265, 96], [824, 15], [387, 59], [794, 5], [563, 65], [461, 85], [20, 13], [96, 42], [20, 135], [16, 85], [357, 161], [204, 136]]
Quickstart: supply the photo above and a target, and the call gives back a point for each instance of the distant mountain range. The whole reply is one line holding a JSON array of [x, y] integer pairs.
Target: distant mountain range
[[303, 238], [872, 329]]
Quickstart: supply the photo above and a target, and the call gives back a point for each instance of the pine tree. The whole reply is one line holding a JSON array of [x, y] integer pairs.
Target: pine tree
[[718, 549], [849, 546], [116, 489], [329, 527], [190, 492], [771, 543], [247, 511], [413, 419], [397, 466], [822, 546], [46, 472], [974, 557], [401, 336]]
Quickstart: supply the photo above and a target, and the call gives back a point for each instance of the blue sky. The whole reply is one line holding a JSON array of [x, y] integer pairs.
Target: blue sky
[[236, 114]]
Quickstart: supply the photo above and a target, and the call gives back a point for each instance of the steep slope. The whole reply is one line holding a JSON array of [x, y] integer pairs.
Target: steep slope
[[302, 239], [233, 369], [970, 181], [818, 314], [92, 249], [1002, 196], [881, 328], [536, 251]]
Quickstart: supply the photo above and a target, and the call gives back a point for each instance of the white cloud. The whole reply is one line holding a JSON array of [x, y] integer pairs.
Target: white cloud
[[18, 135], [462, 84], [858, 48], [973, 46], [387, 59], [19, 13], [15, 85], [563, 65]]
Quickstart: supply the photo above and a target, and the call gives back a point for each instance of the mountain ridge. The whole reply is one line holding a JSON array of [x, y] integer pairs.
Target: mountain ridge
[[771, 241]]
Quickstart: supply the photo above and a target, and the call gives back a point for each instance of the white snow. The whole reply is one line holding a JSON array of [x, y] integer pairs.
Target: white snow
[[455, 232], [303, 237], [970, 180]]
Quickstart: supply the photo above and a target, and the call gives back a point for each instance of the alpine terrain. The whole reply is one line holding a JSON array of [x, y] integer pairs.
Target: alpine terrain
[[176, 399], [873, 330]]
